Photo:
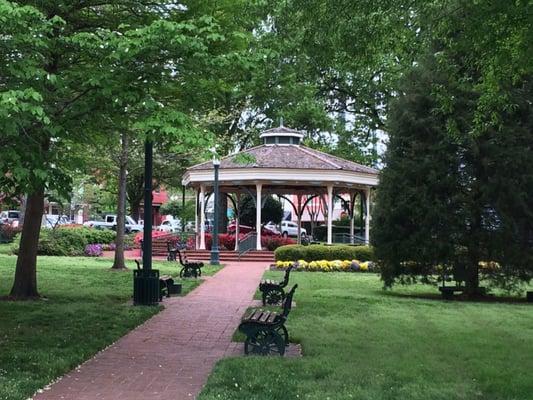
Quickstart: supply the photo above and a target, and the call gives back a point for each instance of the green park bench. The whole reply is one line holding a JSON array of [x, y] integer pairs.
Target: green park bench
[[265, 331], [272, 291], [189, 269]]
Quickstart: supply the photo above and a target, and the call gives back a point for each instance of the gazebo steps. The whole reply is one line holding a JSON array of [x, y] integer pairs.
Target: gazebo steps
[[225, 255], [159, 248]]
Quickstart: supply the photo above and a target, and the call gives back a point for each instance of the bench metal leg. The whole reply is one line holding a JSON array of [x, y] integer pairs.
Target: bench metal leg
[[273, 296], [263, 342]]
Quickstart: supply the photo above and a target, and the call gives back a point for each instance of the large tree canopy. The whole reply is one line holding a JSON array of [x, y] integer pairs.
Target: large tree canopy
[[76, 72], [455, 202]]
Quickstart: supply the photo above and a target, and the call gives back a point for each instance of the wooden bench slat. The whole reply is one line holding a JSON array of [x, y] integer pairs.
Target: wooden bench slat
[[256, 315], [271, 318], [264, 317]]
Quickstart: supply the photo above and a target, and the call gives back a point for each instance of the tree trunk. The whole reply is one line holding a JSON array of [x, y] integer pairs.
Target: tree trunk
[[22, 210], [25, 284], [223, 215], [135, 210], [472, 280], [119, 262], [135, 194]]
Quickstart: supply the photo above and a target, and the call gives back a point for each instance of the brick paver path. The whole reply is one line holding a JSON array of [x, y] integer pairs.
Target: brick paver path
[[171, 355]]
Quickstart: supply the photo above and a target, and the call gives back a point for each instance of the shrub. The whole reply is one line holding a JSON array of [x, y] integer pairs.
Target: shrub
[[322, 252], [225, 240], [273, 242], [102, 236], [61, 242], [8, 233], [69, 241], [138, 237], [93, 250]]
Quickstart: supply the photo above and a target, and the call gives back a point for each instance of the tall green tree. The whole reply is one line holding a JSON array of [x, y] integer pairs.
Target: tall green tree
[[271, 210], [449, 199], [76, 72]]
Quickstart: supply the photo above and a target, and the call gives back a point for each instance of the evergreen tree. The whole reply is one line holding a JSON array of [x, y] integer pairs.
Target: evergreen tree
[[272, 210], [449, 199]]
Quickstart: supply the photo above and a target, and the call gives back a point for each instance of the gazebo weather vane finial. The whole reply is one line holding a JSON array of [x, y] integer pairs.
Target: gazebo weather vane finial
[[281, 122]]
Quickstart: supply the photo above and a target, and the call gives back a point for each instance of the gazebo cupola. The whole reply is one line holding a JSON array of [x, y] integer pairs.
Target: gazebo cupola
[[281, 136]]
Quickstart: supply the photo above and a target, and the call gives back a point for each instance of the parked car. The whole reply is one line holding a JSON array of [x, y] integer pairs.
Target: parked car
[[271, 226], [110, 222], [289, 228], [243, 229], [10, 217], [190, 226], [172, 225], [52, 220]]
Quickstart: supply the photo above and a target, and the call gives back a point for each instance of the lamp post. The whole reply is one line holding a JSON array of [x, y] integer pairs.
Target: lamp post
[[215, 259], [146, 280]]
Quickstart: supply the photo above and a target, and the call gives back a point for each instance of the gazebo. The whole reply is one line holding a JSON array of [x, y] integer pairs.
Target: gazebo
[[282, 166]]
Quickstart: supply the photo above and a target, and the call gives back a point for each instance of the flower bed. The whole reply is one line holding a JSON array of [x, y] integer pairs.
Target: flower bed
[[93, 250], [328, 265], [227, 241]]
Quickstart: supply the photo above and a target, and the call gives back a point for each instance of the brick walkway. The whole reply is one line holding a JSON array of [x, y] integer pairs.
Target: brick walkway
[[171, 355]]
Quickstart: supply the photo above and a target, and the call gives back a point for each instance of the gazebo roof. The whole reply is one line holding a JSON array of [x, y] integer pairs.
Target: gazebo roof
[[281, 163], [285, 157]]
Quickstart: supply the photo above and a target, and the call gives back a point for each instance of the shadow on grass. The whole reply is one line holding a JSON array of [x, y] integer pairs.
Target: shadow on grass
[[489, 298]]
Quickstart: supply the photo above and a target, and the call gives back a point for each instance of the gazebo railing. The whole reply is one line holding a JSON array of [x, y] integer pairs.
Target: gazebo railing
[[346, 238], [247, 243]]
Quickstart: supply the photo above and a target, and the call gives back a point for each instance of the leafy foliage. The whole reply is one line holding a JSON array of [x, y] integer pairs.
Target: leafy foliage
[[449, 198], [174, 208], [272, 210], [69, 241], [322, 252]]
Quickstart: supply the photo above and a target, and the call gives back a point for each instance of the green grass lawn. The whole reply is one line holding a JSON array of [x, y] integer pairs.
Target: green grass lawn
[[360, 342], [6, 248], [86, 308]]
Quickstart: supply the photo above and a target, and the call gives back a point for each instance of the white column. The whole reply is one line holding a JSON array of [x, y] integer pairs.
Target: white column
[[299, 217], [367, 218], [237, 222], [196, 221], [258, 188], [202, 217], [330, 214], [352, 216]]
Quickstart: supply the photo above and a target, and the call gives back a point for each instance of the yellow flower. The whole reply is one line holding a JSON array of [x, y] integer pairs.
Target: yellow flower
[[489, 265], [364, 266]]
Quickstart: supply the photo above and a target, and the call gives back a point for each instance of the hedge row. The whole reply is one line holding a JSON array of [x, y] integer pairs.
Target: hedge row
[[322, 252], [69, 241]]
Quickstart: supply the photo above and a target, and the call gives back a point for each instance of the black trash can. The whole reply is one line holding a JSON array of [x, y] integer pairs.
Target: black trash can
[[529, 297], [146, 290]]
